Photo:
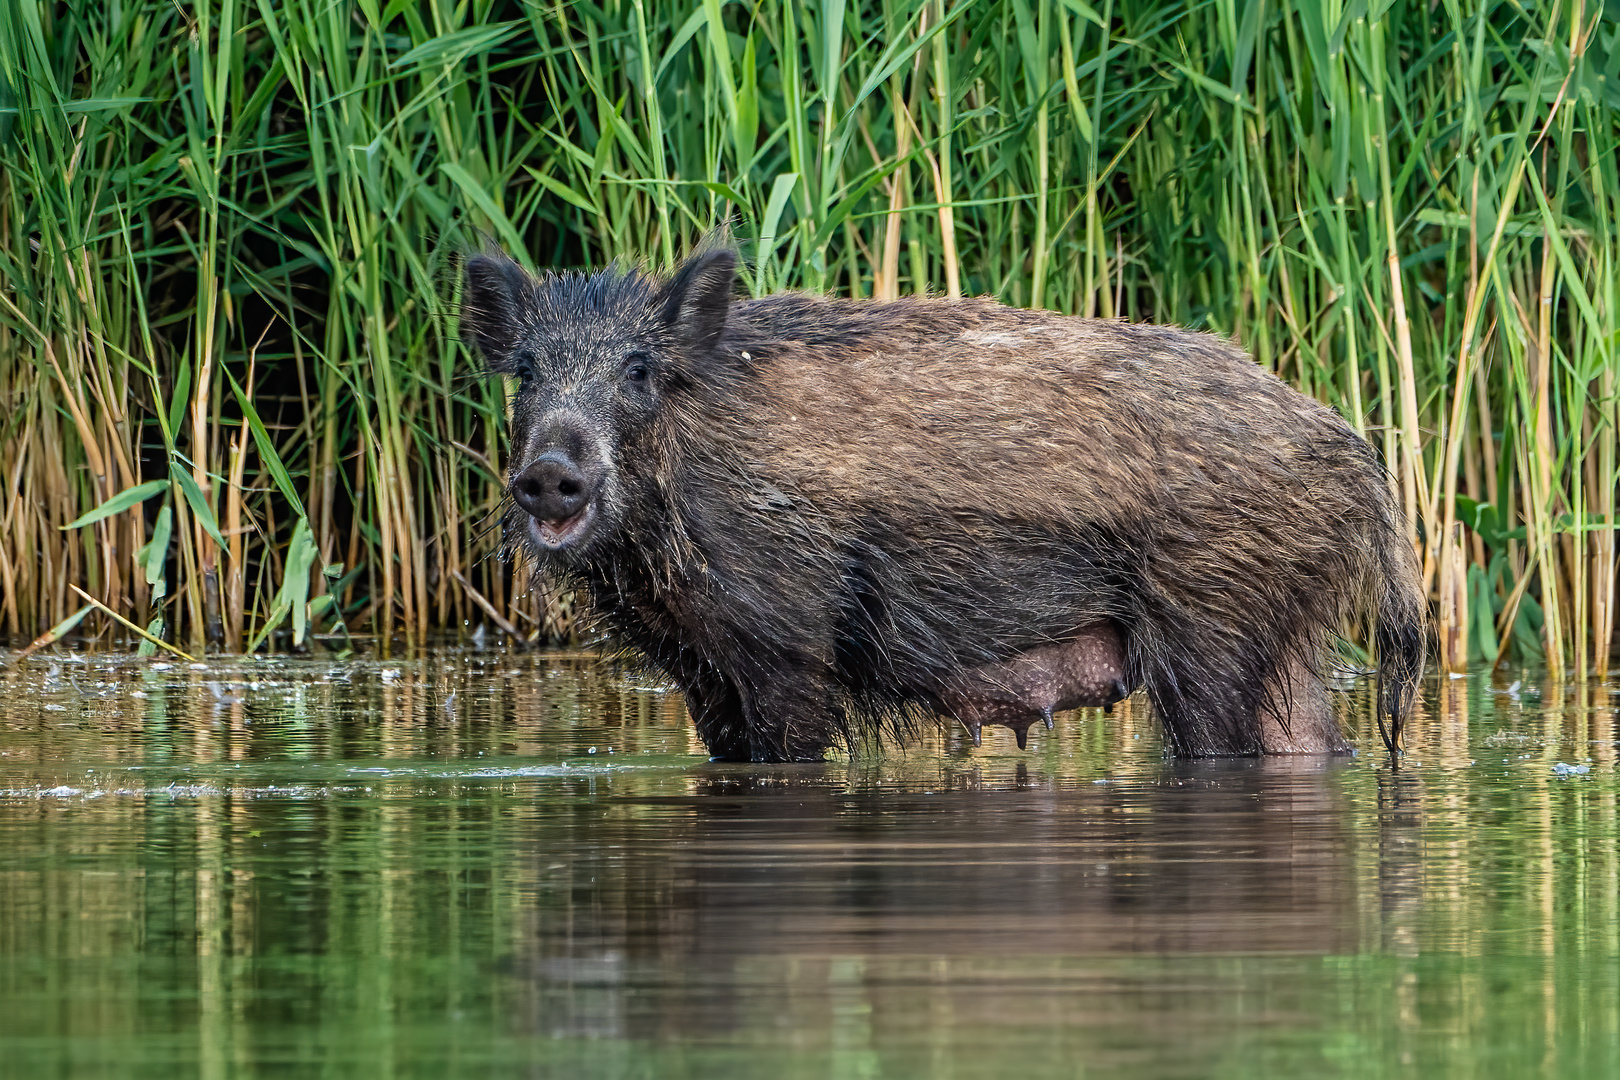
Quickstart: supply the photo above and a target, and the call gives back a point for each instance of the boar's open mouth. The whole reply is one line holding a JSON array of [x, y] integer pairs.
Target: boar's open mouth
[[558, 534]]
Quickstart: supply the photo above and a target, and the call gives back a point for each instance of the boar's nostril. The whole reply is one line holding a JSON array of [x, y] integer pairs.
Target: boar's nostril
[[553, 488]]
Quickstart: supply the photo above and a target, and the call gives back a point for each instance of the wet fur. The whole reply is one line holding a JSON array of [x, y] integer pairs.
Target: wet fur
[[839, 507]]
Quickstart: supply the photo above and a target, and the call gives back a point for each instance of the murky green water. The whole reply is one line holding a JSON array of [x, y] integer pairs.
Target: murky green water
[[481, 864]]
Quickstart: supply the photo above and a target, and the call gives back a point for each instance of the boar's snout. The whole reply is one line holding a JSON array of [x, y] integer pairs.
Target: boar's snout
[[553, 488], [558, 495]]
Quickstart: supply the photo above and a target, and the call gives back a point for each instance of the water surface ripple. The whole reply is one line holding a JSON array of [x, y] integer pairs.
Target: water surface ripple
[[498, 864]]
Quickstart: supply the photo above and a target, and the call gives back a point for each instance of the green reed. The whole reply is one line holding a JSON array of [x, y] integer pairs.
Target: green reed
[[228, 234]]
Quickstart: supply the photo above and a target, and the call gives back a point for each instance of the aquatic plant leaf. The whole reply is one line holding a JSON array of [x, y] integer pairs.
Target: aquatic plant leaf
[[119, 503], [157, 549], [198, 504], [267, 448], [293, 596]]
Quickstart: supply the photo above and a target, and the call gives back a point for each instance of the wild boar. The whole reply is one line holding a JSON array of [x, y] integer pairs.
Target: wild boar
[[829, 519]]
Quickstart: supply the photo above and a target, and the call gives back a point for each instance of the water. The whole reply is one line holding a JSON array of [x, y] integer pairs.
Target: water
[[486, 864]]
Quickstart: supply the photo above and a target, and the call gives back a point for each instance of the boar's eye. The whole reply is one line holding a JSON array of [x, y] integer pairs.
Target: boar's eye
[[637, 369]]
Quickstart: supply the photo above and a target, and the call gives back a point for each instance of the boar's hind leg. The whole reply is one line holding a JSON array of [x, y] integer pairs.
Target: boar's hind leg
[[1222, 695], [1295, 717], [1206, 684]]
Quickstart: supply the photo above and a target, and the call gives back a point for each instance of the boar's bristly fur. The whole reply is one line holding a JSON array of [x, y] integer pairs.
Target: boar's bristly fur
[[826, 519]]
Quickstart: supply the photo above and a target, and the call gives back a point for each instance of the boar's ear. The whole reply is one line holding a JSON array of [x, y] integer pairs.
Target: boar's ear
[[491, 297], [694, 303]]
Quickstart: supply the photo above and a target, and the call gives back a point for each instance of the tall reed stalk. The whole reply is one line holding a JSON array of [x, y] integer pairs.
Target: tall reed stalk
[[228, 230]]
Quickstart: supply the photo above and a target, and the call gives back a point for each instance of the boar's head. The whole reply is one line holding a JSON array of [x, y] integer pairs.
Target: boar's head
[[603, 362]]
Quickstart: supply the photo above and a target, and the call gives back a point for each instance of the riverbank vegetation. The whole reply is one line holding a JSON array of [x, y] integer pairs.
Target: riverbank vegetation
[[235, 402]]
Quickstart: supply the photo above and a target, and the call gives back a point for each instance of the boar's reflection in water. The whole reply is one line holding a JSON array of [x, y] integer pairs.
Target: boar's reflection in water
[[728, 907], [828, 519]]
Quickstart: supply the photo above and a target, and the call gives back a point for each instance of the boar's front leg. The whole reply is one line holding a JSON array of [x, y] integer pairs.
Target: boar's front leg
[[717, 713], [787, 707], [782, 715], [790, 721]]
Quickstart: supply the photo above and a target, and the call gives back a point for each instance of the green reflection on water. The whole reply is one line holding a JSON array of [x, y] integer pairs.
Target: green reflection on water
[[483, 864]]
